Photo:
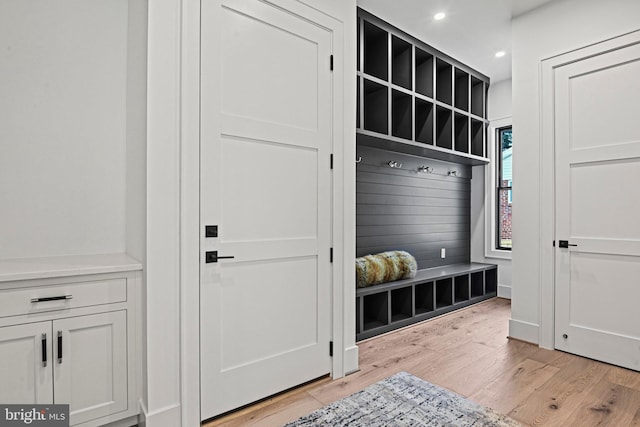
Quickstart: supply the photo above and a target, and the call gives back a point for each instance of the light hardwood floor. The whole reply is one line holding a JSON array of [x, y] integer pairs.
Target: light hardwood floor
[[468, 352]]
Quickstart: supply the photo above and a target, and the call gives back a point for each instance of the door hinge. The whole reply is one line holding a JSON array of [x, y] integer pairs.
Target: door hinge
[[331, 160], [554, 243], [331, 62], [330, 348], [330, 254]]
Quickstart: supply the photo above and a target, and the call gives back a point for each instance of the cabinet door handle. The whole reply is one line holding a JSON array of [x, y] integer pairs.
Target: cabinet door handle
[[59, 346], [43, 299], [44, 350]]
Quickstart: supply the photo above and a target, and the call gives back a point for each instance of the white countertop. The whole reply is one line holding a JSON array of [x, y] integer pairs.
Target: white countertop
[[63, 266]]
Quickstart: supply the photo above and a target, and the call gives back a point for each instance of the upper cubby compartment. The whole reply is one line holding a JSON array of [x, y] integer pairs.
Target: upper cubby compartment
[[401, 115], [424, 121], [424, 73], [376, 51], [416, 100], [461, 132], [376, 102], [477, 97], [477, 138], [401, 59], [462, 90], [444, 76], [443, 128]]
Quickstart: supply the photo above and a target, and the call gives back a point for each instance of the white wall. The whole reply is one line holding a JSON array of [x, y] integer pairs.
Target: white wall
[[499, 108], [551, 30], [63, 105], [136, 130], [500, 100]]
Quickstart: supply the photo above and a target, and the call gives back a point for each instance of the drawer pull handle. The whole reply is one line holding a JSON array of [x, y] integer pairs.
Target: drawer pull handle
[[61, 297], [59, 346], [44, 350]]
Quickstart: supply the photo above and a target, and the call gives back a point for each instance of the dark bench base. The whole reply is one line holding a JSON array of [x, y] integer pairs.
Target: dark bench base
[[434, 291]]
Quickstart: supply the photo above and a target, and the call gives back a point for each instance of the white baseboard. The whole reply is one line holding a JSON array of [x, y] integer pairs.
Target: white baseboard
[[504, 291], [351, 360], [523, 331], [168, 416]]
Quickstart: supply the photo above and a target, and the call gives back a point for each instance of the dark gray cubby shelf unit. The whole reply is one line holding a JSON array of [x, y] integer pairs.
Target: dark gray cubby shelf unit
[[415, 99], [434, 291]]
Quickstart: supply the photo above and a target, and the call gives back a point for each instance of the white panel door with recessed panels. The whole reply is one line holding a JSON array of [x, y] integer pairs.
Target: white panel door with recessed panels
[[266, 185], [597, 140]]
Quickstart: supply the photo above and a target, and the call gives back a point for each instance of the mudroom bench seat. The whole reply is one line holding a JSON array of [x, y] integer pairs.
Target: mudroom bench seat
[[434, 291]]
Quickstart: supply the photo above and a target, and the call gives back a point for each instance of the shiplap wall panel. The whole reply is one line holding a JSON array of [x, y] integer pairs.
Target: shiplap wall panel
[[404, 209]]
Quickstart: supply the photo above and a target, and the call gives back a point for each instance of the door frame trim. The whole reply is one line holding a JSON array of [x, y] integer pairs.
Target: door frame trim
[[190, 213], [548, 66]]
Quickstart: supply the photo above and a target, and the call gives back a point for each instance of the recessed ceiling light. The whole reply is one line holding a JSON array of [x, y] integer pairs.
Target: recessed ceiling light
[[439, 16], [500, 54]]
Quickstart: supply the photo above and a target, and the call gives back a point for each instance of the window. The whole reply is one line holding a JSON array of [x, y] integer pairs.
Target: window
[[504, 182]]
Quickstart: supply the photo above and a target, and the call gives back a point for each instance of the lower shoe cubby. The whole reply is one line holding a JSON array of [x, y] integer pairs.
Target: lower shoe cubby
[[491, 280], [477, 284], [461, 288], [401, 304], [424, 302], [444, 293], [434, 291], [375, 311]]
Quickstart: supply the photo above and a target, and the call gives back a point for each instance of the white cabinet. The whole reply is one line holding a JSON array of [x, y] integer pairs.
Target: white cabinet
[[25, 372], [90, 372], [73, 340]]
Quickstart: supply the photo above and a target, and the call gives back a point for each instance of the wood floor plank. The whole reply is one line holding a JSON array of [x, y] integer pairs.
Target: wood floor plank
[[566, 390], [468, 352], [636, 420], [268, 410], [436, 370], [624, 377], [514, 386], [490, 367], [607, 404], [274, 414], [555, 358]]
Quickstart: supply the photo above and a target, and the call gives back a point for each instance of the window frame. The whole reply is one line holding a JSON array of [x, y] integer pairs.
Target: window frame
[[499, 186], [491, 194]]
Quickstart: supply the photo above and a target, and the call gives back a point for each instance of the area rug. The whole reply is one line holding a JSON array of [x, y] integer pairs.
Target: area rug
[[407, 401]]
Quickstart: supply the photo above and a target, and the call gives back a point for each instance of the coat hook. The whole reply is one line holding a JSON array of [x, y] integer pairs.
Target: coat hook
[[453, 173], [425, 169], [394, 164], [359, 159]]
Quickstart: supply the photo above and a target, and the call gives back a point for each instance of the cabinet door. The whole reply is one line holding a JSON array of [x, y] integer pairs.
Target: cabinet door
[[90, 364], [25, 368]]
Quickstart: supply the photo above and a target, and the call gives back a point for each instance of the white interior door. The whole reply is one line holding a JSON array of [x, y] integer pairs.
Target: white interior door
[[597, 139], [265, 183]]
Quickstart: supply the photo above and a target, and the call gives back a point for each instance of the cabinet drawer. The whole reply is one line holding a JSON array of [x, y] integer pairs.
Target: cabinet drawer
[[38, 299]]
